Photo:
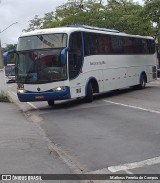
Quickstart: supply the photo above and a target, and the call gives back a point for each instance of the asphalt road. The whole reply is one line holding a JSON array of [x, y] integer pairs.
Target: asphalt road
[[118, 132]]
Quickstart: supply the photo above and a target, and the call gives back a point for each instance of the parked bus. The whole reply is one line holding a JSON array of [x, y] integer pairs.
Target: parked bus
[[10, 73], [77, 61]]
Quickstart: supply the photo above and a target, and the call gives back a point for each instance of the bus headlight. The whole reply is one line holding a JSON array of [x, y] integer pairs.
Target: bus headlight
[[21, 91], [59, 88]]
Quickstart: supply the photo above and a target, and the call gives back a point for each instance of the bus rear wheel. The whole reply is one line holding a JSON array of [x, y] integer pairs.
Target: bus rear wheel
[[89, 96], [143, 81], [51, 103]]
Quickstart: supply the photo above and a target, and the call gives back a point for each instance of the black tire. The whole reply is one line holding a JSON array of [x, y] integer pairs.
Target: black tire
[[51, 103], [143, 81], [89, 96]]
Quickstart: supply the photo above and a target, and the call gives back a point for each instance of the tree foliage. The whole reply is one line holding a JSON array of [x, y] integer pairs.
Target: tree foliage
[[151, 11], [123, 15], [38, 23]]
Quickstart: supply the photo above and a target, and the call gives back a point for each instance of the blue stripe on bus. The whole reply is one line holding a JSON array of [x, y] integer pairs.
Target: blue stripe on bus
[[44, 96]]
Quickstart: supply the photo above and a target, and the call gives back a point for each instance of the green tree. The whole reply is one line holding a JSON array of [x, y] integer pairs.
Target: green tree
[[79, 12], [34, 24], [38, 23], [151, 12], [123, 15]]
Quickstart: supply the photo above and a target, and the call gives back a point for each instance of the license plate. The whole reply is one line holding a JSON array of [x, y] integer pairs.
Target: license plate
[[39, 97]]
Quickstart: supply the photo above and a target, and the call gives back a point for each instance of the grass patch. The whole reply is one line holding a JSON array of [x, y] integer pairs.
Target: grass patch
[[4, 97]]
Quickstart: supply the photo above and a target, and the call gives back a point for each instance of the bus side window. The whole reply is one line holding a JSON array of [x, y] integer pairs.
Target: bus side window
[[104, 44], [87, 44], [100, 45], [137, 45], [145, 47], [95, 44], [117, 44], [151, 46], [128, 46], [107, 44]]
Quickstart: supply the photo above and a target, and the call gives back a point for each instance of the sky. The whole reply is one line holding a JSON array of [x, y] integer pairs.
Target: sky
[[12, 11]]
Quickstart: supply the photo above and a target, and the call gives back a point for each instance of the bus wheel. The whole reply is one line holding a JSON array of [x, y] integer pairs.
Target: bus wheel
[[89, 96], [51, 103], [143, 81]]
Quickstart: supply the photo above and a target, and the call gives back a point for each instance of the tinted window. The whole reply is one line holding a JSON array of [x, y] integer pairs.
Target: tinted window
[[75, 54], [151, 46], [128, 45], [42, 41], [117, 44], [137, 45], [95, 44]]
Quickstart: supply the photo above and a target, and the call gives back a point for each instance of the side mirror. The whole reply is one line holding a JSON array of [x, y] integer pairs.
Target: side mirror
[[64, 56], [5, 56]]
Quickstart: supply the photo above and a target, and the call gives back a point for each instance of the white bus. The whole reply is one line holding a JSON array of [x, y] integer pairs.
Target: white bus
[[77, 61]]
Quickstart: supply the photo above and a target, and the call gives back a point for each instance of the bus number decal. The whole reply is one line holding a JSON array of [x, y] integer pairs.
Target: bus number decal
[[78, 90]]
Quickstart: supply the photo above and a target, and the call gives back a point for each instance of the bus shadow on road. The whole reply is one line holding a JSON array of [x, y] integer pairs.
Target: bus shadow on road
[[119, 92], [74, 103]]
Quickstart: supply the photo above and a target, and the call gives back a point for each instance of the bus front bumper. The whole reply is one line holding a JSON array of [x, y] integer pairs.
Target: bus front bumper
[[44, 96]]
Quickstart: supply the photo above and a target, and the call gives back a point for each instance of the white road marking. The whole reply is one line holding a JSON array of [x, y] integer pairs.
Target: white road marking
[[157, 82], [129, 166], [33, 106], [9, 86], [13, 93], [131, 106], [128, 172], [29, 103]]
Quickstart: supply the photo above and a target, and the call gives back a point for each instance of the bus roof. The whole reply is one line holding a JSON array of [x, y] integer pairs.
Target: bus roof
[[71, 28]]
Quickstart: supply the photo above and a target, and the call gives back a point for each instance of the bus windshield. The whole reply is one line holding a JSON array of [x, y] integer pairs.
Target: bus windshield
[[40, 66], [38, 58], [42, 42]]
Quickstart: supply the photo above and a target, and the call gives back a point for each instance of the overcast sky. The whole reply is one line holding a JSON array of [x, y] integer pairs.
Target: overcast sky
[[20, 11]]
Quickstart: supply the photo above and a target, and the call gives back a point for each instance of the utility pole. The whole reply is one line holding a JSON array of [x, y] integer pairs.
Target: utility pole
[[3, 87], [158, 37], [158, 14]]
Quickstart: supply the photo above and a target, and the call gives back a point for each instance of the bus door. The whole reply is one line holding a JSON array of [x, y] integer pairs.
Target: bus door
[[75, 61]]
